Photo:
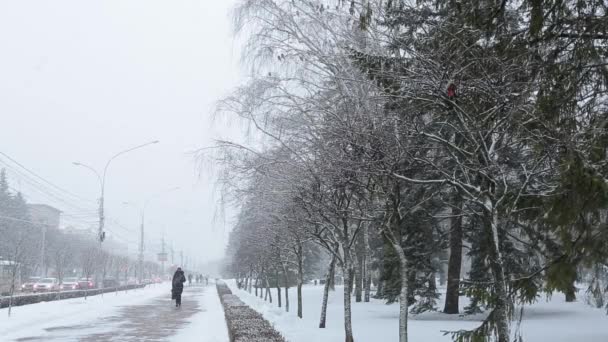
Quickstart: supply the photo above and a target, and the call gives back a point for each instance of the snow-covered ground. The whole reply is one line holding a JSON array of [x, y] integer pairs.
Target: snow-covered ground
[[548, 320], [36, 319], [139, 315], [209, 324]]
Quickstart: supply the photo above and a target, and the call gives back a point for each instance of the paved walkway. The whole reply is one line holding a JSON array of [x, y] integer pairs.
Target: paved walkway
[[154, 320]]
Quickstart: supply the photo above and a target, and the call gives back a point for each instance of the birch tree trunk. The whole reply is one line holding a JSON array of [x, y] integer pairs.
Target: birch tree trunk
[[403, 295], [501, 308], [330, 274]]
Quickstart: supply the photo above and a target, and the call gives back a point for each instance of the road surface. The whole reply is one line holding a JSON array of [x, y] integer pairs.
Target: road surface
[[139, 316]]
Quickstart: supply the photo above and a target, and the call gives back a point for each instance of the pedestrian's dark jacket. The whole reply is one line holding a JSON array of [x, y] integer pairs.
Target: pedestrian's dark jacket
[[178, 282]]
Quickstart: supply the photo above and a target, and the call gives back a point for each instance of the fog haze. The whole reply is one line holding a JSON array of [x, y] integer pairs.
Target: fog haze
[[82, 80]]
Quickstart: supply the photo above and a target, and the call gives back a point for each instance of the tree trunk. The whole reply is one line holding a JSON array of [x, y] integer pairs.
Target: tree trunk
[[359, 267], [332, 280], [12, 290], [367, 264], [300, 278], [454, 265], [403, 295], [286, 289], [571, 294], [330, 273], [348, 326], [501, 307], [359, 279], [380, 289], [278, 288], [268, 292], [250, 279], [261, 286], [351, 281]]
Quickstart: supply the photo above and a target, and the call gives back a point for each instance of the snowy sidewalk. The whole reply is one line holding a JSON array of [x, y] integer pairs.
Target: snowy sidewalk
[[147, 315], [547, 320]]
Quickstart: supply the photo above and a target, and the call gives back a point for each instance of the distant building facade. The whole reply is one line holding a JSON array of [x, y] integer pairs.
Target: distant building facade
[[45, 215], [6, 276]]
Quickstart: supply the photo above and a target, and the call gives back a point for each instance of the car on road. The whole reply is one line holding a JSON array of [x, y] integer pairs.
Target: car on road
[[110, 282], [29, 285], [86, 284], [69, 284], [46, 285]]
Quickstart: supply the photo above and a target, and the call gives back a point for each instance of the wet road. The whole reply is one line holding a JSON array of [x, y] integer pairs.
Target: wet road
[[154, 320]]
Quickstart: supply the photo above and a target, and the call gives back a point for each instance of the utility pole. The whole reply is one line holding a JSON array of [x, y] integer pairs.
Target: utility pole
[[163, 257], [101, 234], [42, 251], [141, 249], [172, 259], [181, 255]]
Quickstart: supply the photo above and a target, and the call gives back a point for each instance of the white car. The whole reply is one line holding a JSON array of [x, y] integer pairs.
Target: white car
[[46, 285], [69, 284], [29, 285]]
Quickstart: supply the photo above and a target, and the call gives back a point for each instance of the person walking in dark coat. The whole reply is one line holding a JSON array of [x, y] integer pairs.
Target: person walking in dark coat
[[178, 286]]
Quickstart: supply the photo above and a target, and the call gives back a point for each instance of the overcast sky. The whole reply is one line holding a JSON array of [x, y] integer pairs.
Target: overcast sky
[[81, 80]]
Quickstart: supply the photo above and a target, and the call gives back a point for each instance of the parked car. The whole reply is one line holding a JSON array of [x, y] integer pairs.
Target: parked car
[[110, 282], [69, 284], [86, 283], [46, 285], [29, 285]]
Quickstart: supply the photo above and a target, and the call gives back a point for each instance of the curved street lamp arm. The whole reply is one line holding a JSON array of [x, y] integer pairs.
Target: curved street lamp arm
[[92, 170], [105, 169]]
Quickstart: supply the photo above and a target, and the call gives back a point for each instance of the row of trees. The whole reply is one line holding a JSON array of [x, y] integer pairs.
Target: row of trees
[[389, 132], [30, 249]]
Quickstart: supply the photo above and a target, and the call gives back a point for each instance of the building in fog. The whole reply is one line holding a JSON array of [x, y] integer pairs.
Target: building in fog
[[46, 215], [6, 276]]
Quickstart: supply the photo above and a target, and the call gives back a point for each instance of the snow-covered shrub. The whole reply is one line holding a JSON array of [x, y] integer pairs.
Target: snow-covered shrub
[[244, 323], [222, 289]]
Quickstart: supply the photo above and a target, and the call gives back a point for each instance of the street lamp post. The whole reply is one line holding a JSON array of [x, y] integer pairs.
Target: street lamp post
[[102, 183]]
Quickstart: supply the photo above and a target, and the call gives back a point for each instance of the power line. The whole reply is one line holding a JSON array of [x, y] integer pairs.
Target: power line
[[38, 187], [54, 193], [43, 179], [25, 221]]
